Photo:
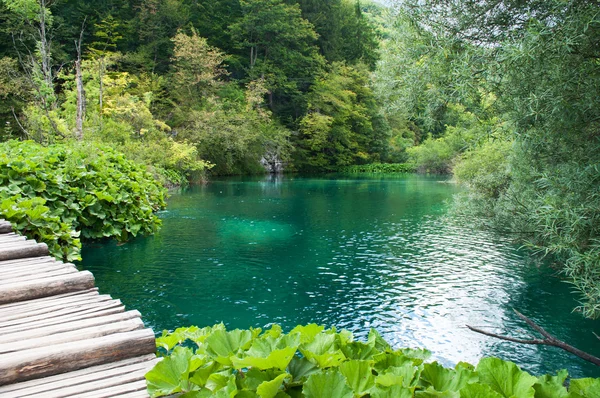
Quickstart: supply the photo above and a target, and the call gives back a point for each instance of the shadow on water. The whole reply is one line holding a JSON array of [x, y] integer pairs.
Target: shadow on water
[[351, 251]]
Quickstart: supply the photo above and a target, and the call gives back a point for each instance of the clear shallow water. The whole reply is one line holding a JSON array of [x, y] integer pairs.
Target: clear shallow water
[[355, 252]]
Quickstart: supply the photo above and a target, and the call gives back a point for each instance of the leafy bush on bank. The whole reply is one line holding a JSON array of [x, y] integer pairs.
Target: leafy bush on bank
[[58, 193], [378, 168], [313, 362]]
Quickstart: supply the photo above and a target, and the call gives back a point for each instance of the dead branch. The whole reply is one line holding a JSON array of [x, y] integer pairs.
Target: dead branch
[[548, 339]]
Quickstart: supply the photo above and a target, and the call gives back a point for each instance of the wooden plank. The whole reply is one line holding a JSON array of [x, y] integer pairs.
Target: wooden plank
[[62, 314], [115, 391], [6, 263], [59, 358], [34, 305], [20, 304], [10, 243], [51, 308], [31, 264], [11, 265], [39, 249], [38, 268], [40, 274], [11, 236], [69, 326], [5, 227], [93, 373], [79, 316], [46, 287], [135, 394], [73, 336], [89, 382]]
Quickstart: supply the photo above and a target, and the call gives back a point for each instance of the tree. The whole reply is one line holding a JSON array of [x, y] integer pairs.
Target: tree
[[36, 16], [342, 126], [197, 66], [281, 50], [541, 60]]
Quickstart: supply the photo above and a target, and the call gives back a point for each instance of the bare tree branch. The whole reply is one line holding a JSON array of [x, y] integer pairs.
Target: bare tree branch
[[549, 340]]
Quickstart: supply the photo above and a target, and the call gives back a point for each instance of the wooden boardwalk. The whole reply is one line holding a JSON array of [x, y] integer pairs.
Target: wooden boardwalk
[[58, 336]]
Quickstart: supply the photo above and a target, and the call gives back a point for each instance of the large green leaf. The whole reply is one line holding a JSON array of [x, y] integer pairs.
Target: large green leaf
[[477, 390], [405, 375], [330, 383], [308, 332], [359, 350], [442, 379], [506, 378], [377, 341], [222, 345], [431, 393], [394, 391], [551, 386], [269, 389], [301, 368], [588, 388], [171, 375], [277, 359], [359, 376], [323, 351]]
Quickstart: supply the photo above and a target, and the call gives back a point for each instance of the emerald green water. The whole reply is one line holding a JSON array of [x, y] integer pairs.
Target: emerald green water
[[351, 252]]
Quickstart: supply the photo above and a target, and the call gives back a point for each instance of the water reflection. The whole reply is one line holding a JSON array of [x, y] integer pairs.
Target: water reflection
[[345, 251]]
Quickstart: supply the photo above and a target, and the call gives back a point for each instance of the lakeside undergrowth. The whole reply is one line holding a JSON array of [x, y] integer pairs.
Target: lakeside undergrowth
[[312, 362]]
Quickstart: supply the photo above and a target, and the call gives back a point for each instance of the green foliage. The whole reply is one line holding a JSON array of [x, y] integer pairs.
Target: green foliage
[[544, 73], [378, 168], [56, 193], [237, 134], [343, 126], [486, 169], [310, 361], [282, 50]]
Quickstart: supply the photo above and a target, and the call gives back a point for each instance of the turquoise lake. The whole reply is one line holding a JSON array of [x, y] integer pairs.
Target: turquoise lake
[[351, 251]]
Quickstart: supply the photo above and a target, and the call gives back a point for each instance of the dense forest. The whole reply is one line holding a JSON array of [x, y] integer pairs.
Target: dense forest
[[501, 93]]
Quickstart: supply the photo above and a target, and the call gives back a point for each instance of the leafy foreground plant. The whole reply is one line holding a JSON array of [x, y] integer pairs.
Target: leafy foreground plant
[[55, 194], [313, 362]]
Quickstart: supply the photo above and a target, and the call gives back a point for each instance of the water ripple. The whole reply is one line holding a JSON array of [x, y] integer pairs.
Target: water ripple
[[355, 254]]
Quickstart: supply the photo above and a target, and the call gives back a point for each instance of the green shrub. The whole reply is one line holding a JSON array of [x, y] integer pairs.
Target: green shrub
[[313, 362], [56, 193], [378, 168], [485, 169], [435, 155]]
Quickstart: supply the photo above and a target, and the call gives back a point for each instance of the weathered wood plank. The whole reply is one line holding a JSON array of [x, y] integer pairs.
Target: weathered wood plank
[[24, 260], [91, 373], [73, 336], [51, 309], [67, 316], [52, 301], [39, 249], [11, 243], [66, 357], [69, 326], [32, 270], [11, 236], [92, 306], [46, 287], [29, 266], [5, 227], [40, 274], [115, 391], [11, 265], [77, 384], [20, 304]]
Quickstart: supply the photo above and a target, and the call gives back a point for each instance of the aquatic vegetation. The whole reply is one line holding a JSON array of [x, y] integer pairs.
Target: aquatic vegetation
[[310, 361]]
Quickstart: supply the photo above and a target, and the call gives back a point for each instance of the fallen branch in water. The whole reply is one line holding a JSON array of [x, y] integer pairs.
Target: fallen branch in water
[[548, 339]]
